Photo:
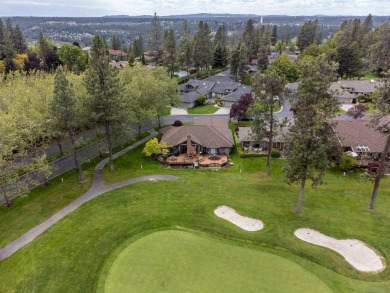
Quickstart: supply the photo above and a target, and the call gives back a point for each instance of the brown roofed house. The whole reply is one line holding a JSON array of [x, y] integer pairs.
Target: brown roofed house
[[118, 55], [207, 136], [358, 137]]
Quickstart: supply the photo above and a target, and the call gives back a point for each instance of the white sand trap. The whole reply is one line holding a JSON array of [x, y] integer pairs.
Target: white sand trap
[[244, 223], [357, 253]]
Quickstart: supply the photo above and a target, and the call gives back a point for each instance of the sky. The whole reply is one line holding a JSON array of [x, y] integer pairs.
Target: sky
[[91, 8]]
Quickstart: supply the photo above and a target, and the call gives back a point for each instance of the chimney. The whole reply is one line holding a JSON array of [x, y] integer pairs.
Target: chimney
[[189, 145]]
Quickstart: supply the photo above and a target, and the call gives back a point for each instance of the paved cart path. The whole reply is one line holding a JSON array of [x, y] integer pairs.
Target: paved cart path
[[96, 189]]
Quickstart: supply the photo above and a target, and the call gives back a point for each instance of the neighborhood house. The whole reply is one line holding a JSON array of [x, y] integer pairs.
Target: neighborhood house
[[220, 86], [208, 142]]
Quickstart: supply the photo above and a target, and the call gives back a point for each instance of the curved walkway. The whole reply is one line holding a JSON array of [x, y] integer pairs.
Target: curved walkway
[[96, 189]]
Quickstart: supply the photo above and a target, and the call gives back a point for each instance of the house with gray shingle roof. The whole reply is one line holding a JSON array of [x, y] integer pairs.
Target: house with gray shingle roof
[[217, 86], [349, 90], [207, 135], [230, 99]]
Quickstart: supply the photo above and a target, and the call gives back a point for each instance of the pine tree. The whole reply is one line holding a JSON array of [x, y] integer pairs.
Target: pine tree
[[19, 41], [383, 104], [65, 117], [311, 139], [220, 57], [104, 93], [306, 35], [116, 43], [221, 37], [8, 52], [203, 46], [155, 40], [235, 61], [379, 50], [170, 53], [274, 35], [243, 61], [249, 38], [269, 89], [185, 48]]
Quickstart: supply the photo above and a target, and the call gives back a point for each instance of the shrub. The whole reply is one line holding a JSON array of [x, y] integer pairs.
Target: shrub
[[177, 123], [275, 153], [200, 101], [347, 163]]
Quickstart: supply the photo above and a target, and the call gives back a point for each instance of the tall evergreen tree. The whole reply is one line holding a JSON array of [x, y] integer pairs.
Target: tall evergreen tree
[[349, 60], [379, 50], [186, 47], [155, 40], [220, 57], [65, 117], [221, 37], [383, 104], [269, 89], [8, 52], [263, 57], [235, 61], [203, 51], [116, 43], [310, 141], [274, 35], [288, 36], [19, 41], [170, 52], [243, 61], [104, 92], [249, 38], [138, 46], [306, 35]]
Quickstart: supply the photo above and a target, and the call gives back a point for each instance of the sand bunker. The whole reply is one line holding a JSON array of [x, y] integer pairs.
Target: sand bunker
[[245, 223], [357, 253]]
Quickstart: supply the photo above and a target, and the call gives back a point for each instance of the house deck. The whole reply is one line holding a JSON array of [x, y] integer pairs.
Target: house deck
[[202, 160]]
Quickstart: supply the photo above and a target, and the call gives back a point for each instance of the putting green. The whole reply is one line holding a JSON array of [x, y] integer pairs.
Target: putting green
[[177, 261]]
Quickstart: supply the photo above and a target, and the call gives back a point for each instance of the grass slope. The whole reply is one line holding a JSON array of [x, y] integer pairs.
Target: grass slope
[[177, 261]]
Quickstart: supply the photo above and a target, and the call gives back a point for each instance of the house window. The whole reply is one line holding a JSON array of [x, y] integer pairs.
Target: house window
[[213, 151]]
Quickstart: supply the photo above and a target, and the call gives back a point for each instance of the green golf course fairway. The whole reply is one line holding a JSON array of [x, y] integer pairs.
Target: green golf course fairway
[[177, 261]]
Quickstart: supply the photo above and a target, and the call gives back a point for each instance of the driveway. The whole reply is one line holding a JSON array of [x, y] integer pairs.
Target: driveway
[[178, 111], [223, 111]]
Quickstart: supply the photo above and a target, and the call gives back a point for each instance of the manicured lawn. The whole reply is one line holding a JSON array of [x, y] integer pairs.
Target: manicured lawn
[[40, 203], [177, 261], [78, 251], [208, 109], [370, 75]]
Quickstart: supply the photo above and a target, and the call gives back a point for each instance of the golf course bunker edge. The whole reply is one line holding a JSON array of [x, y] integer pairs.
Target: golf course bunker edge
[[245, 223], [355, 252]]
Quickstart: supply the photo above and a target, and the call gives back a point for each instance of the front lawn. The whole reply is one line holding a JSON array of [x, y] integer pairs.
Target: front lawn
[[208, 109]]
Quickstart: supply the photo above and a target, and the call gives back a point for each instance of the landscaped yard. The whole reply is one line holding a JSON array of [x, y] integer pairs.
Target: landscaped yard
[[208, 109], [86, 250]]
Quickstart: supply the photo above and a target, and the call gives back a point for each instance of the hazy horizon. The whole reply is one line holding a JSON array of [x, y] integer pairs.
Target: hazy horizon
[[99, 8]]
